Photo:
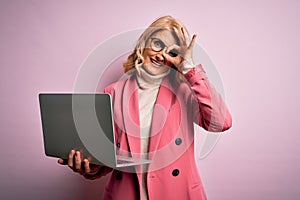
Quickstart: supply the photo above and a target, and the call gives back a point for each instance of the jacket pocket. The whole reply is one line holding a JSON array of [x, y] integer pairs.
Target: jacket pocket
[[197, 192]]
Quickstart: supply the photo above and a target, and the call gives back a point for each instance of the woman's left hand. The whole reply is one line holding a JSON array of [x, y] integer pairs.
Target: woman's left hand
[[184, 60]]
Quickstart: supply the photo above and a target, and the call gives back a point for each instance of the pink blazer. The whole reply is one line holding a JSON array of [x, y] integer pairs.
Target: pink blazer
[[173, 173]]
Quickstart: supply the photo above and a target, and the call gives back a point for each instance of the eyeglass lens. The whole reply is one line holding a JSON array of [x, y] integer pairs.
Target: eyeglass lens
[[158, 45]]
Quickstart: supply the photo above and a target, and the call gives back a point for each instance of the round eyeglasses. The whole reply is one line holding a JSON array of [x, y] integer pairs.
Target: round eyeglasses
[[157, 45]]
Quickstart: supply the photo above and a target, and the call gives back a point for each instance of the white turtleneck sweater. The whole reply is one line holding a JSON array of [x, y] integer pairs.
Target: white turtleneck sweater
[[148, 90]]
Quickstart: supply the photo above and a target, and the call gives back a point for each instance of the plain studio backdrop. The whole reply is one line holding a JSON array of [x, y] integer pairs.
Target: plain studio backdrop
[[253, 44]]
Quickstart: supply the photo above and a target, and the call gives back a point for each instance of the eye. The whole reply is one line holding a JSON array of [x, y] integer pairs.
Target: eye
[[158, 44], [173, 53]]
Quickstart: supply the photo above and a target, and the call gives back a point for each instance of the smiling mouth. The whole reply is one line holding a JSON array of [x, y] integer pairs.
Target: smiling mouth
[[155, 63]]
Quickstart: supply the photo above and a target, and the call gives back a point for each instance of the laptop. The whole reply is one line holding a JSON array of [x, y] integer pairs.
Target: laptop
[[82, 122]]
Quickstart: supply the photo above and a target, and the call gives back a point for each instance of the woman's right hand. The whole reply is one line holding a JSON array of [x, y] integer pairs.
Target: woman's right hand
[[79, 165]]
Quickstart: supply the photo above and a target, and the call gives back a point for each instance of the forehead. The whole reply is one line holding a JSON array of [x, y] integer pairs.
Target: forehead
[[166, 36]]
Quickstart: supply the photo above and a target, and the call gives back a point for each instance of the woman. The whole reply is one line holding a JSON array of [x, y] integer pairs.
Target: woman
[[154, 111]]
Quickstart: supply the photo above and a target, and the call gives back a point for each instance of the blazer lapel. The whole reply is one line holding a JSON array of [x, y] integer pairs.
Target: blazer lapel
[[130, 112]]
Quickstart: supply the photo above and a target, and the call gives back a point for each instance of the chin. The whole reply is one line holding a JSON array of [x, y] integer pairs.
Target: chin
[[153, 70]]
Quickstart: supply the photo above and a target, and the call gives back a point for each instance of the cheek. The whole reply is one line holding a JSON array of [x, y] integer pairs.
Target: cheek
[[146, 60], [146, 56]]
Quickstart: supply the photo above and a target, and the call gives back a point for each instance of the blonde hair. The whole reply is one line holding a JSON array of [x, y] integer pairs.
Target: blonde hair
[[135, 59]]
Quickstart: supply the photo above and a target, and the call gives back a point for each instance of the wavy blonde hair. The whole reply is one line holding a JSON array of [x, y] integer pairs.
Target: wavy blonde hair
[[135, 59]]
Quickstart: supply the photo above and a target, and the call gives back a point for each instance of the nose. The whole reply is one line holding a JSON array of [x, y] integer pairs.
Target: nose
[[159, 57]]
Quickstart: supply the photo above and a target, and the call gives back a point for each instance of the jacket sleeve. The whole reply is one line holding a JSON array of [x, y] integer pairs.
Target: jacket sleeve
[[209, 109]]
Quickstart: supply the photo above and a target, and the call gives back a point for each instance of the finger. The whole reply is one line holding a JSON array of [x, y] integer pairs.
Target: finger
[[173, 60], [77, 160], [173, 46], [62, 161], [87, 168], [186, 37], [174, 50], [169, 58], [192, 42], [71, 158]]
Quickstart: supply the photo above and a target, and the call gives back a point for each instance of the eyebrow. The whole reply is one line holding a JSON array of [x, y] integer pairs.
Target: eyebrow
[[161, 41], [156, 38]]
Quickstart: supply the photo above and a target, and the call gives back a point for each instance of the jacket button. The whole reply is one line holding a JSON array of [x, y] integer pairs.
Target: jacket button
[[178, 141], [118, 145], [175, 172]]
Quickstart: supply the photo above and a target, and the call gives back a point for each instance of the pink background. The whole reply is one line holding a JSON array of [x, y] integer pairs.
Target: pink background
[[254, 45]]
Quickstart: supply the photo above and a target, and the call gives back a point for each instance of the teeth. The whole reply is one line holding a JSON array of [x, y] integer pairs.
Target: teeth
[[156, 63]]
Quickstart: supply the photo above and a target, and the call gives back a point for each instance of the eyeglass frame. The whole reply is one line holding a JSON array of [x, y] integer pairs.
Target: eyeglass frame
[[172, 52]]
